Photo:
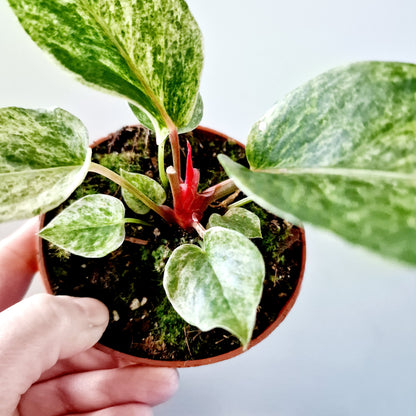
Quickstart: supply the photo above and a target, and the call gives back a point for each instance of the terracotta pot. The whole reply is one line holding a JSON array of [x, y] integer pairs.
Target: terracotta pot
[[126, 358]]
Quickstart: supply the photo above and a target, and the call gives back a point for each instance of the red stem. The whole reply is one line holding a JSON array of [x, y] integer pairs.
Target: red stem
[[188, 204], [176, 154], [174, 184]]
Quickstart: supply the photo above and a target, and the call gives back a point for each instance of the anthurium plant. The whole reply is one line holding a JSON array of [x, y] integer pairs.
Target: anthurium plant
[[339, 153]]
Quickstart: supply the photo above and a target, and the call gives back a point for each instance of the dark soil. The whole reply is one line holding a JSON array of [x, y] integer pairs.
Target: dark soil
[[129, 280]]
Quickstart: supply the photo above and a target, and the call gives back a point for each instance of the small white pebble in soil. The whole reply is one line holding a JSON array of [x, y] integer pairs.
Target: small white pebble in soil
[[135, 304], [143, 302], [116, 316], [83, 266]]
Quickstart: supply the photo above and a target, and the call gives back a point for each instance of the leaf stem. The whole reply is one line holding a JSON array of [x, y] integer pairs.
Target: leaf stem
[[174, 184], [134, 240], [102, 170], [136, 221], [220, 190], [161, 164], [198, 227], [176, 155], [241, 202]]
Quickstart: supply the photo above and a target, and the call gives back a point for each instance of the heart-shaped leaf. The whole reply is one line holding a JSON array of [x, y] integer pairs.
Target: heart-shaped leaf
[[148, 51], [218, 285], [340, 153], [91, 227], [44, 157], [146, 185], [238, 219]]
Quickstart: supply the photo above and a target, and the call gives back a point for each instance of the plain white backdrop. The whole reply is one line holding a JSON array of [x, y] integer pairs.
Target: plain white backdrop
[[348, 346]]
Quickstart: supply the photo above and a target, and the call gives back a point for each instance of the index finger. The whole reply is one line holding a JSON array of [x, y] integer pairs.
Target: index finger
[[18, 263]]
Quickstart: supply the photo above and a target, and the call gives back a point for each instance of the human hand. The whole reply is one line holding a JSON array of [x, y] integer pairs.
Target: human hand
[[47, 365]]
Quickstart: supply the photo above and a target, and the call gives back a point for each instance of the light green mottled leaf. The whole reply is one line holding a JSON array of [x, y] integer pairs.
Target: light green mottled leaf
[[193, 123], [218, 285], [44, 156], [148, 51], [91, 227], [361, 116], [340, 153], [238, 219], [146, 185], [196, 117]]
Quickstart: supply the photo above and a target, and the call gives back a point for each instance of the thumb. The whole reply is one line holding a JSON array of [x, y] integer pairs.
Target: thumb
[[37, 332], [18, 263]]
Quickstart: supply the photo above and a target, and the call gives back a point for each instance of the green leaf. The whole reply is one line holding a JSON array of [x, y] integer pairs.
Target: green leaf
[[144, 120], [340, 153], [238, 219], [44, 157], [148, 186], [218, 285], [148, 51], [91, 227], [193, 123], [196, 117]]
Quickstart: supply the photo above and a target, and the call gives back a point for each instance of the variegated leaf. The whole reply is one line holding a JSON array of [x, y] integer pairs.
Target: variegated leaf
[[218, 285], [196, 117], [148, 51], [146, 185], [91, 227], [340, 153], [44, 157], [238, 219]]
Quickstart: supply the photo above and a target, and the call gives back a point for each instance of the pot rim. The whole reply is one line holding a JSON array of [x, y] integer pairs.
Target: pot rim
[[131, 359]]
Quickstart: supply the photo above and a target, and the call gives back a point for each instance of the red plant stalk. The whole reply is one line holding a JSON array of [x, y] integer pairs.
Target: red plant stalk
[[188, 204]]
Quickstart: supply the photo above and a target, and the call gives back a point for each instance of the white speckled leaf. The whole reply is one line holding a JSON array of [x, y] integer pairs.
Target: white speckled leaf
[[238, 219], [91, 227], [218, 285], [340, 153], [148, 51], [148, 186], [196, 117], [44, 156]]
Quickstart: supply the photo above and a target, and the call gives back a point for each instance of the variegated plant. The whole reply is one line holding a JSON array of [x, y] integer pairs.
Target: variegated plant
[[339, 153]]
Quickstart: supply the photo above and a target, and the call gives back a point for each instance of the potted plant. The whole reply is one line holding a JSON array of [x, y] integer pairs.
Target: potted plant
[[325, 155]]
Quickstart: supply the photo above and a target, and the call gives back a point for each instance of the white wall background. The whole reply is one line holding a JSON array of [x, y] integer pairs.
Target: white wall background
[[348, 347]]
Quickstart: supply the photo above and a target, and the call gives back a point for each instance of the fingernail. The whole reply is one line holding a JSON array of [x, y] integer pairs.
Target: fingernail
[[95, 311]]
